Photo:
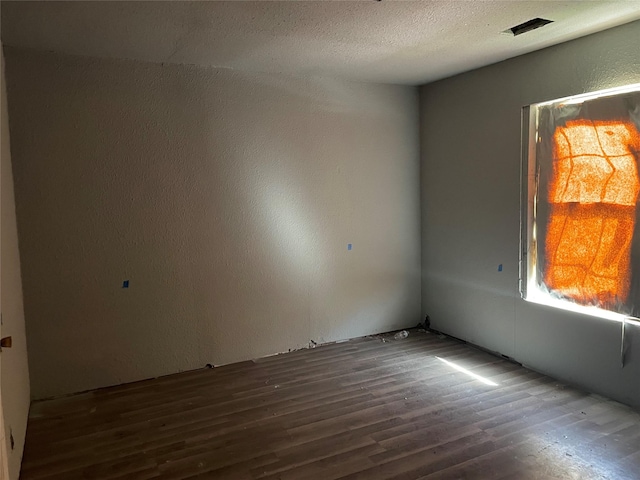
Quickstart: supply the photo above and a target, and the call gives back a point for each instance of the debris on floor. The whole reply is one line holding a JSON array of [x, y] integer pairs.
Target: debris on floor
[[401, 334], [378, 336]]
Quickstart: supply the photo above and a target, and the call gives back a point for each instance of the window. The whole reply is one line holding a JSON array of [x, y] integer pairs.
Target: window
[[581, 221]]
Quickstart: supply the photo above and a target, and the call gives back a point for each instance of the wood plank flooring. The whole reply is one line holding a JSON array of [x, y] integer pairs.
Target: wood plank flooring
[[363, 409]]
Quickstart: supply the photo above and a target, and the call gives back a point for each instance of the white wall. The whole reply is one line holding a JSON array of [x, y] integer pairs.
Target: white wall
[[226, 199], [15, 370], [470, 158]]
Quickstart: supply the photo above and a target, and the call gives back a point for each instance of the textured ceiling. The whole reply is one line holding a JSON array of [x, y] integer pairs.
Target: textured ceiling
[[380, 41]]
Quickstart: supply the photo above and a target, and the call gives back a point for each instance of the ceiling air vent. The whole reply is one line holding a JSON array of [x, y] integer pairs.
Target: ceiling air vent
[[528, 26]]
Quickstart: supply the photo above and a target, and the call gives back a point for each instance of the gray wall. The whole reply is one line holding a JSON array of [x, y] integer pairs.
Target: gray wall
[[226, 199], [15, 369], [470, 157]]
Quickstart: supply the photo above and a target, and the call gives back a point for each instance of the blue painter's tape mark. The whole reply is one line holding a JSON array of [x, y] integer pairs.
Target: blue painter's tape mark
[[349, 246], [125, 284], [500, 267]]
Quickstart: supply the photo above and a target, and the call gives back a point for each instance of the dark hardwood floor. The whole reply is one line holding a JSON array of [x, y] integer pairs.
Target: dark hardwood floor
[[363, 409]]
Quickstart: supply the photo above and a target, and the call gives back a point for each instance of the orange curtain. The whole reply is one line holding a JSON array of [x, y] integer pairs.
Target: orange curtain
[[592, 196]]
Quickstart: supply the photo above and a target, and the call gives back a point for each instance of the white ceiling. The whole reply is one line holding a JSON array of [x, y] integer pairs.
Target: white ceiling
[[409, 42]]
